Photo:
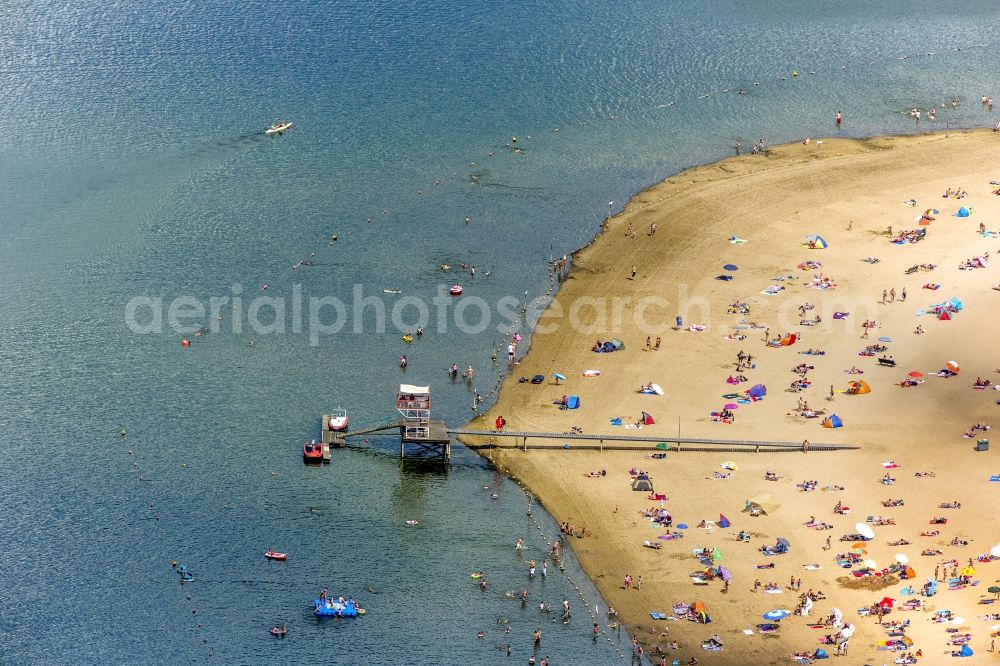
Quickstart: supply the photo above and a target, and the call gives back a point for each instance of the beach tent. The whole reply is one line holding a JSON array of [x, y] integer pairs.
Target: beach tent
[[966, 651], [858, 388], [833, 421], [964, 211], [758, 391], [817, 242], [642, 483], [647, 419], [788, 340], [944, 316], [764, 504], [612, 345], [716, 555], [573, 402], [821, 654], [723, 521]]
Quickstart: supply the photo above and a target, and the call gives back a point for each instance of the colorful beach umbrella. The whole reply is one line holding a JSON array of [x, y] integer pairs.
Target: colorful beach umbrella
[[776, 614], [968, 571], [731, 405], [953, 366]]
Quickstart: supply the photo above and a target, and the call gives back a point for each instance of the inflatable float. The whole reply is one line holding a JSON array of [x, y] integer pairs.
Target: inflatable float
[[334, 608], [456, 290]]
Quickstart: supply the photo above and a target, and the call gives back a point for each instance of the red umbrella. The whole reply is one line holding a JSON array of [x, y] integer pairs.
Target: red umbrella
[[887, 602], [731, 405], [916, 375]]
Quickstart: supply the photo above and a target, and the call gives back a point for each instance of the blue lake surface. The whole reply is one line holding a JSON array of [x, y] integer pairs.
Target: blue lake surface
[[133, 164]]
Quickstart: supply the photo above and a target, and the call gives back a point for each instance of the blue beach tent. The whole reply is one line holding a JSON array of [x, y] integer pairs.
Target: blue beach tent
[[573, 402]]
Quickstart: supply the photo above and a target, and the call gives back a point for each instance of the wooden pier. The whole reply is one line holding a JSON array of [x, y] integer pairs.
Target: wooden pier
[[416, 428], [436, 440]]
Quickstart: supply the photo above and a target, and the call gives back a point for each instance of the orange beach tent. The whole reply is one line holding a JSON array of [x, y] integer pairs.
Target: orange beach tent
[[858, 388]]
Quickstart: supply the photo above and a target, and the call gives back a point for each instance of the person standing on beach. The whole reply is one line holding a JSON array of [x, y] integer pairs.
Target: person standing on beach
[[738, 147], [638, 582], [902, 296], [633, 273], [652, 229], [839, 119], [885, 296], [892, 295]]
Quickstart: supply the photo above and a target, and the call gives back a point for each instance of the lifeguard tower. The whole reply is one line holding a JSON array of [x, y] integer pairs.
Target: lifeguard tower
[[416, 426]]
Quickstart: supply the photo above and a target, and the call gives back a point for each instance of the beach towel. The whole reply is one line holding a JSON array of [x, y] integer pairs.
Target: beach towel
[[616, 421], [737, 241]]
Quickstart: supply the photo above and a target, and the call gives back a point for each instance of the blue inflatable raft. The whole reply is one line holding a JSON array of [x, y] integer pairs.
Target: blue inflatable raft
[[333, 608]]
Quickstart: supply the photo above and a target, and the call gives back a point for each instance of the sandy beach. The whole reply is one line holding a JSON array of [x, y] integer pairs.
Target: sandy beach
[[849, 193]]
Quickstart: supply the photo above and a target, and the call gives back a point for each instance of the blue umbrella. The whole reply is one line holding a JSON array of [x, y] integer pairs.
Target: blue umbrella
[[731, 267], [777, 614], [558, 376], [885, 338], [682, 526]]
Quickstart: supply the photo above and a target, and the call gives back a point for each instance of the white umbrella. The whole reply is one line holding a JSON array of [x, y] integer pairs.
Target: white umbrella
[[871, 564], [864, 530], [995, 551], [958, 620], [656, 389], [902, 559]]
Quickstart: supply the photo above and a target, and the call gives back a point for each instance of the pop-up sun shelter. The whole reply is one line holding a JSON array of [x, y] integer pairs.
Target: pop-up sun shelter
[[612, 345], [833, 421], [757, 392], [761, 504], [816, 242], [642, 483], [573, 402], [858, 388]]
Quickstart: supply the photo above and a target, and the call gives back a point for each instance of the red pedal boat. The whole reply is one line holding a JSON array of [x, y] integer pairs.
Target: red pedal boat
[[274, 555]]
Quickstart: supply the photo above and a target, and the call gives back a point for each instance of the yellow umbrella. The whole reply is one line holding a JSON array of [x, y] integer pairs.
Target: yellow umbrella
[[968, 571]]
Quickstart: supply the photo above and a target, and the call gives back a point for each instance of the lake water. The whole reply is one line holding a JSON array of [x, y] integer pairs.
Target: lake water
[[133, 165]]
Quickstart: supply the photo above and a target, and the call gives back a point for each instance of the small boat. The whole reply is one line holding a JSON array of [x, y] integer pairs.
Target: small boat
[[278, 128], [274, 555], [312, 452], [187, 578], [456, 290], [392, 291], [412, 522], [280, 632], [338, 420]]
